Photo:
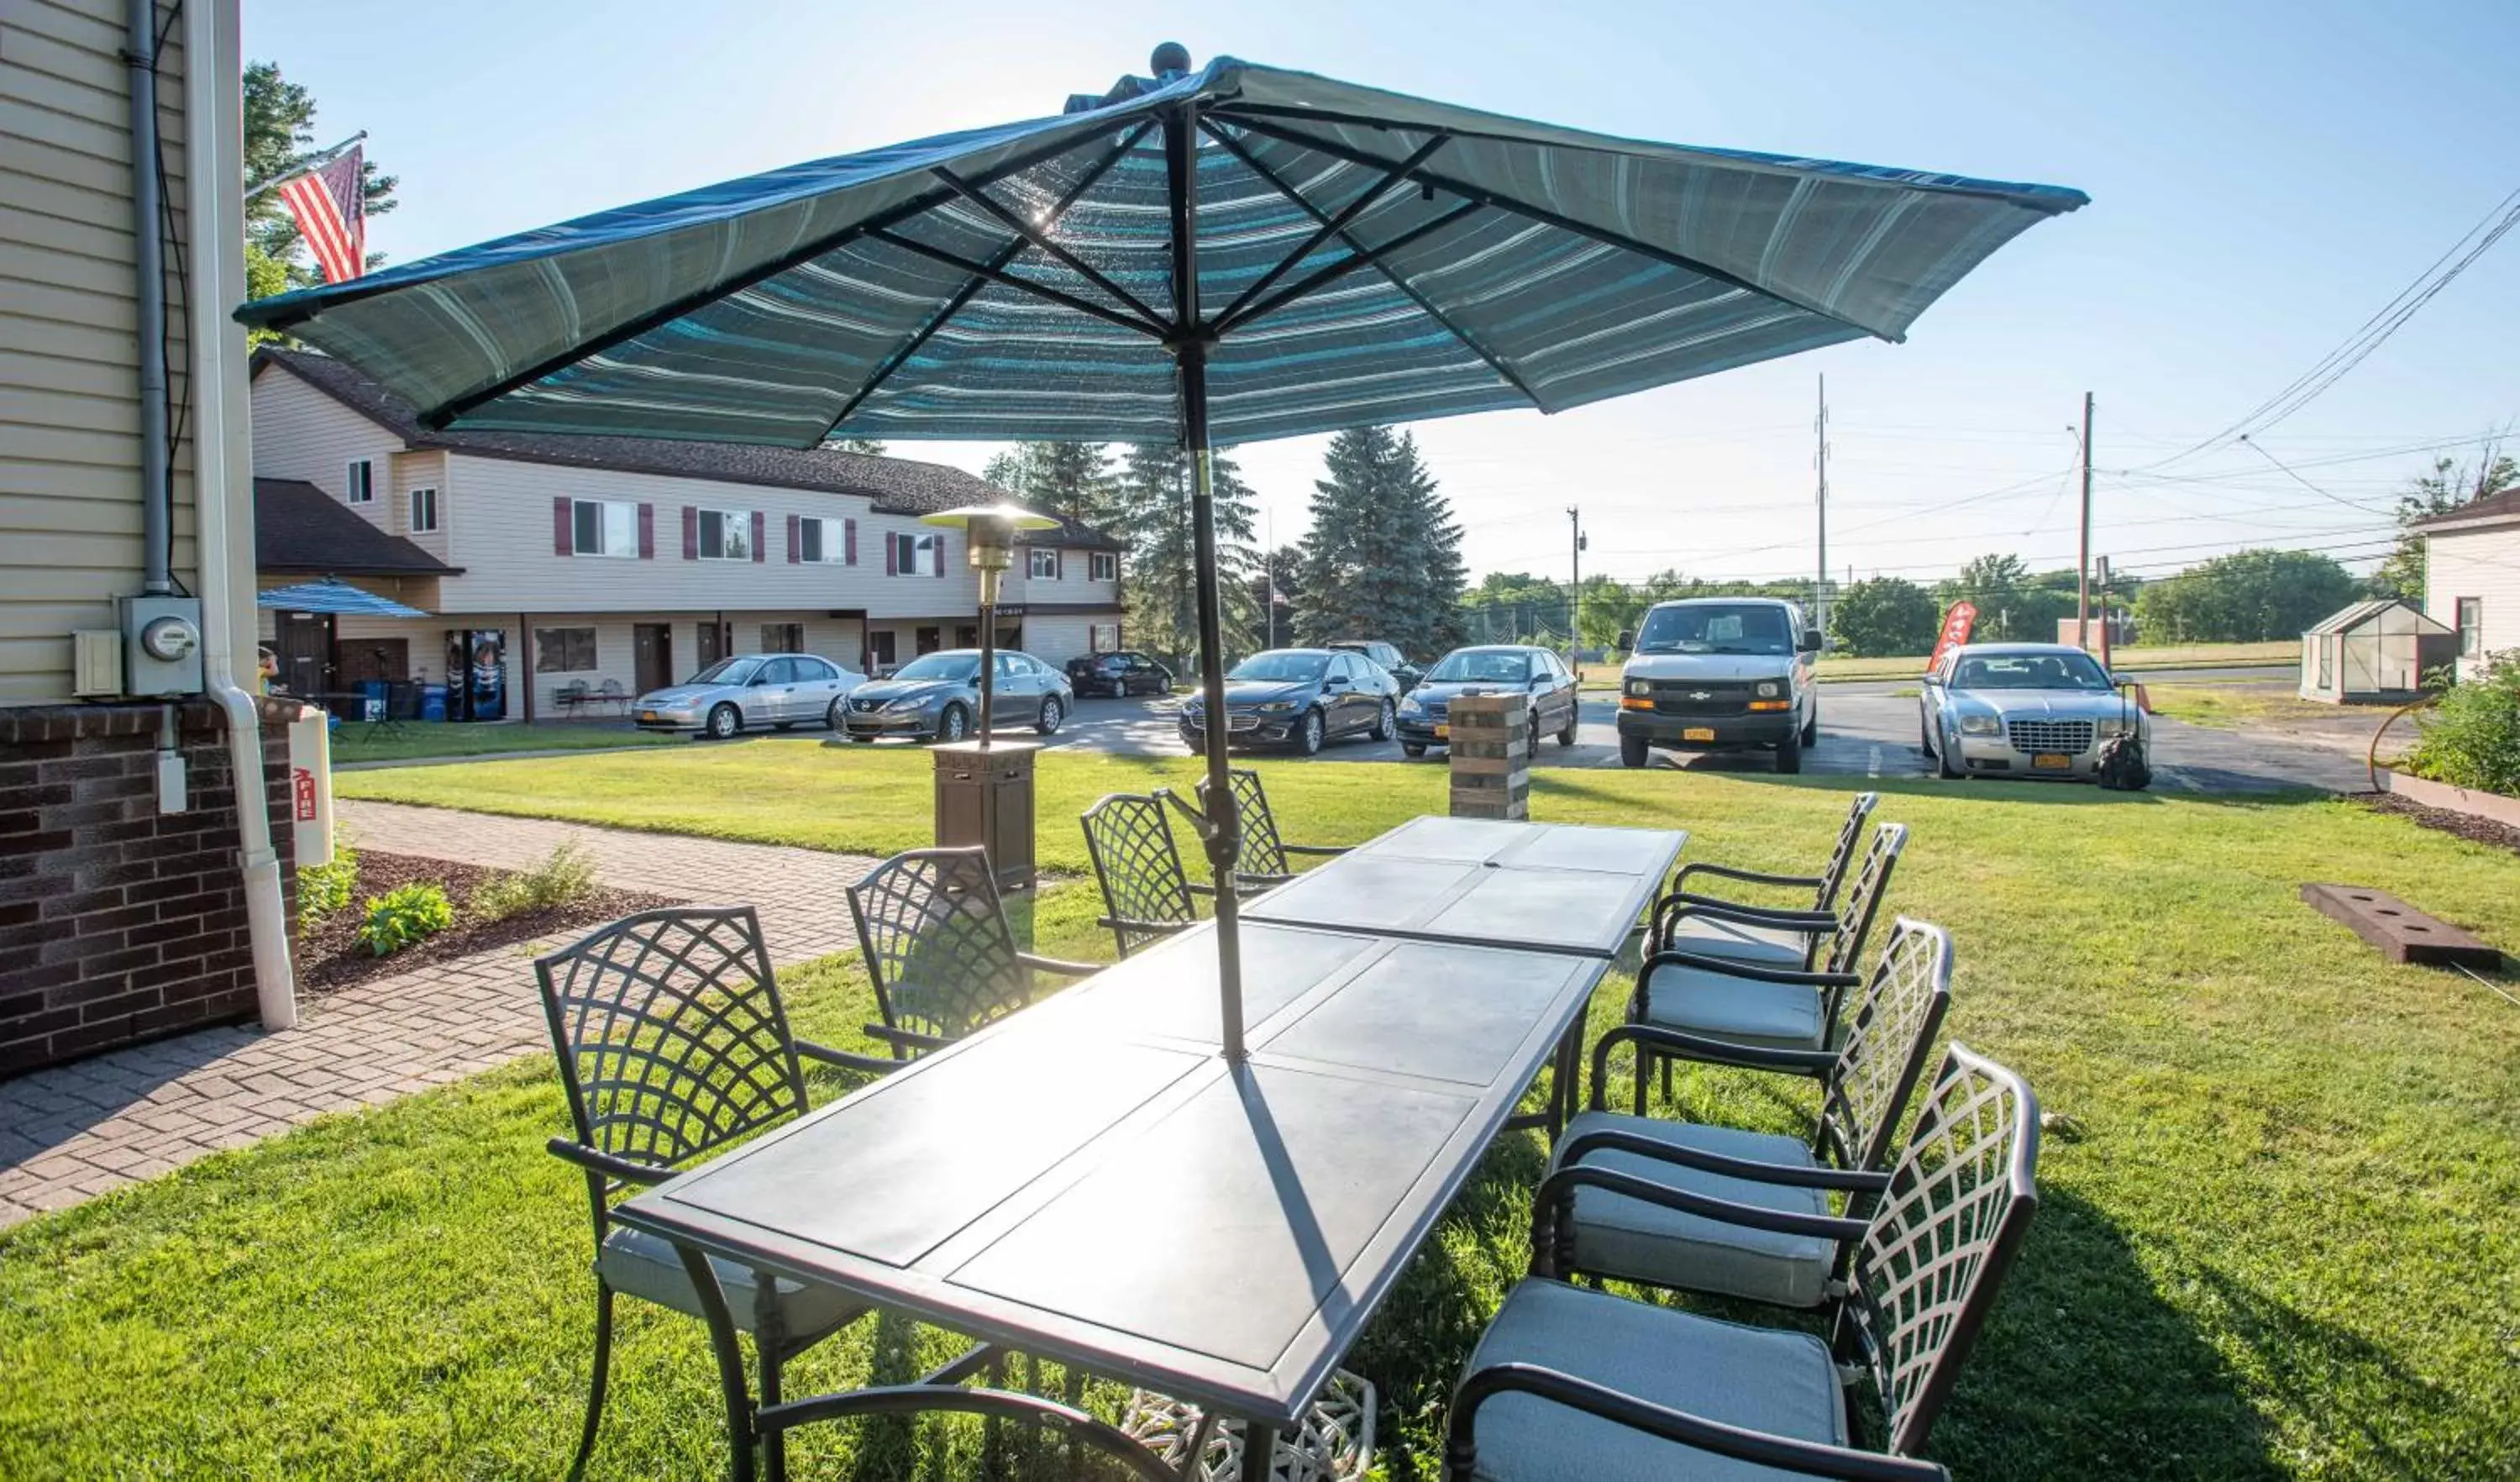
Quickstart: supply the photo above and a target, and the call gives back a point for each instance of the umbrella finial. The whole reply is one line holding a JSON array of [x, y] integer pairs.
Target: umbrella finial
[[1171, 57]]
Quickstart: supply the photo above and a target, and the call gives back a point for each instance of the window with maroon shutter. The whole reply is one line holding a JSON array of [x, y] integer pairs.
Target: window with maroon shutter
[[691, 532], [795, 539], [647, 532], [936, 542], [850, 539], [760, 522], [564, 525], [891, 555]]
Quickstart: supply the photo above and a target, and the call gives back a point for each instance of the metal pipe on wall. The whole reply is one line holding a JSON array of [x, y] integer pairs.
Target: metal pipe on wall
[[148, 209]]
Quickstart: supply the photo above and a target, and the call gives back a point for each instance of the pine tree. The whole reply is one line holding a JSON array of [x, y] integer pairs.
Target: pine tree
[[1152, 496], [1069, 480], [1383, 557]]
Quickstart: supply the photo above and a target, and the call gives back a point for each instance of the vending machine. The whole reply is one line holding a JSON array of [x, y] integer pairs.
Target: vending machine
[[477, 674]]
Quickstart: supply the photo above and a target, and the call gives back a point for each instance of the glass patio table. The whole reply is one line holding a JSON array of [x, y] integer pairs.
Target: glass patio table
[[1091, 1180]]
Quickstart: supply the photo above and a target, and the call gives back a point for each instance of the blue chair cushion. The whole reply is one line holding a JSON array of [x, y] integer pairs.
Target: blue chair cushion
[[1629, 1239], [647, 1266]]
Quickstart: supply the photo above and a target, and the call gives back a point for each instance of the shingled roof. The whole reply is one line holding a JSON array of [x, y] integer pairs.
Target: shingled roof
[[298, 527], [897, 485], [2491, 507]]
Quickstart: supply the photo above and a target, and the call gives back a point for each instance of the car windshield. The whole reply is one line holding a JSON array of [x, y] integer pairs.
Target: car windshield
[[726, 671], [1716, 628], [2028, 671], [1282, 666], [954, 666], [1481, 666]]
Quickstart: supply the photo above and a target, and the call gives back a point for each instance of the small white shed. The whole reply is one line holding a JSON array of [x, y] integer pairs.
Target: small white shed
[[2375, 651]]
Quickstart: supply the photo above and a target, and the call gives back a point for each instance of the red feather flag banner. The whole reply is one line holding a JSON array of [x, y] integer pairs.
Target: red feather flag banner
[[331, 211]]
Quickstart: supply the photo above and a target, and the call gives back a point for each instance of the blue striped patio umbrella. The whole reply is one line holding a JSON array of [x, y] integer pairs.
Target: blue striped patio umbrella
[[1228, 253]]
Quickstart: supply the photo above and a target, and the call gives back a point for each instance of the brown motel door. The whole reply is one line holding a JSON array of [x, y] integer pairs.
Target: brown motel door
[[651, 656]]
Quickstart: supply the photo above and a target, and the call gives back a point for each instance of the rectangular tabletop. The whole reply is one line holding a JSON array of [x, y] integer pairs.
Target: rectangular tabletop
[[1089, 1181], [1547, 887]]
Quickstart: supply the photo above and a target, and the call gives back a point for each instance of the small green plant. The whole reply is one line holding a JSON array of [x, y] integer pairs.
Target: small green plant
[[323, 889], [404, 916], [2471, 738], [563, 879]]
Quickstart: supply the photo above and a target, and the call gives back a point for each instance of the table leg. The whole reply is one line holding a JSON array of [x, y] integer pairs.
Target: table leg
[[729, 1345], [1562, 1089], [1259, 1452]]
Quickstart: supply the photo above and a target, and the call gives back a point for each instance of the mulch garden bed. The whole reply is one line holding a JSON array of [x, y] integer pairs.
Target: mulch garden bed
[[329, 958], [2467, 826]]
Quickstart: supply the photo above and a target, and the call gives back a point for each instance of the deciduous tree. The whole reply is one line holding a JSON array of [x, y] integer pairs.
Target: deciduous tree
[[1884, 617]]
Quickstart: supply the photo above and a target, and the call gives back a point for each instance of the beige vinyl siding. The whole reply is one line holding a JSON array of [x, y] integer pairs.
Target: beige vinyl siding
[[1073, 584], [70, 395], [2484, 564], [299, 432], [1056, 640], [425, 470]]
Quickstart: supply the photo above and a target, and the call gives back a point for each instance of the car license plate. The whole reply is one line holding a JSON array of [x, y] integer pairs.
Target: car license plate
[[1697, 733], [646, 715], [2051, 761], [1443, 732]]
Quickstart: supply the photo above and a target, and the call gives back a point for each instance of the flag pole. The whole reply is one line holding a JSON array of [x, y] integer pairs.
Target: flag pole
[[308, 166]]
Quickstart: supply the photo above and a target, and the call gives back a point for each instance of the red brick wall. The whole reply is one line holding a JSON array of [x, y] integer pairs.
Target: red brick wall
[[119, 923]]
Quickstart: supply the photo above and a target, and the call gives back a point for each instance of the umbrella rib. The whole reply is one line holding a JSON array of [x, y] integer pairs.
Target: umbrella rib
[[1025, 230], [1064, 299], [1240, 151], [1548, 217], [1330, 226], [1344, 266], [440, 415], [972, 285]]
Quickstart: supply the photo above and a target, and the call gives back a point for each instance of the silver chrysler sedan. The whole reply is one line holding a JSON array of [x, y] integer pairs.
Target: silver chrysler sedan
[[2027, 711], [757, 692]]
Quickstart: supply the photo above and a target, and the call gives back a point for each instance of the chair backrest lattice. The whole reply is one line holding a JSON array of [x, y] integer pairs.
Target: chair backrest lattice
[[671, 1036], [1885, 1045], [1864, 899], [1925, 1275], [937, 944], [1842, 854], [1263, 851], [1129, 838]]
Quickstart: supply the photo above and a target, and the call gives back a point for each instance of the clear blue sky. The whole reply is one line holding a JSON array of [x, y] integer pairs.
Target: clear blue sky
[[2263, 177]]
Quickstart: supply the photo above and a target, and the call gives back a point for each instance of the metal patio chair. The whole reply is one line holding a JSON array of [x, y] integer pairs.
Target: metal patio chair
[[1777, 943], [1146, 894], [1865, 1085], [673, 1043], [1568, 1382], [569, 698], [1752, 1002], [938, 947], [1263, 858], [1336, 1444]]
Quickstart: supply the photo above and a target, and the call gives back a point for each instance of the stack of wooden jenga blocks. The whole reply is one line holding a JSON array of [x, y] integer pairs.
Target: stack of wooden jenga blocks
[[1491, 745]]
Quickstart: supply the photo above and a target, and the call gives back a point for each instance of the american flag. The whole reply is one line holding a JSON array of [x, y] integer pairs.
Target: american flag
[[331, 217]]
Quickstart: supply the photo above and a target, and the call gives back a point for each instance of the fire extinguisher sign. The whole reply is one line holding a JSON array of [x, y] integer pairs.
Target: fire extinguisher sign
[[1955, 630]]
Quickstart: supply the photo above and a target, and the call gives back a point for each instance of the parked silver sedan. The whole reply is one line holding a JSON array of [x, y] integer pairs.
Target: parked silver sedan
[[754, 692], [2028, 711], [936, 695]]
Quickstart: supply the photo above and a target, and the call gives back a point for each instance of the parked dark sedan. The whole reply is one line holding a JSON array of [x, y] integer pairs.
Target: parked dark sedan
[[1490, 669], [1393, 661], [1300, 698], [1118, 675]]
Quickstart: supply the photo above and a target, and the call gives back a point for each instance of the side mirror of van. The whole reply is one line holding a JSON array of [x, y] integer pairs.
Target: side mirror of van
[[1627, 640], [1810, 643]]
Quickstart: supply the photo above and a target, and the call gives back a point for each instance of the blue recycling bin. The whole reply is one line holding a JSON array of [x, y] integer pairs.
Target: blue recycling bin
[[432, 703]]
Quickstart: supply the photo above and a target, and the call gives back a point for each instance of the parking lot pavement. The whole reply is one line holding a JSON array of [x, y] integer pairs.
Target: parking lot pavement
[[1865, 731]]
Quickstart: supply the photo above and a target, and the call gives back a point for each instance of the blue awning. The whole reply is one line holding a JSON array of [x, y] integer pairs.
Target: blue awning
[[333, 597]]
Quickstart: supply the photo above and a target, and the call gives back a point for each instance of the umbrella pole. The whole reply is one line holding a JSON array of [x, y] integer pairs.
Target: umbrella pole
[[1224, 820]]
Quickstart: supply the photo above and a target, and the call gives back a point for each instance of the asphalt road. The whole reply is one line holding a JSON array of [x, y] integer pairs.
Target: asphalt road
[[1865, 731]]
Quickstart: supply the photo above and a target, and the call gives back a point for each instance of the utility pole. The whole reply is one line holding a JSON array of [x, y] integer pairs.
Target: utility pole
[[1820, 589], [2083, 566], [1575, 592]]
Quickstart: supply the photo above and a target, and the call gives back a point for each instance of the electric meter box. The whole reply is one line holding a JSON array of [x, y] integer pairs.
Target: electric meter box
[[161, 645]]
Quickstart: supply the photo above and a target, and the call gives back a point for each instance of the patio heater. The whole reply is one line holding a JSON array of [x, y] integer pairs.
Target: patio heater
[[984, 793]]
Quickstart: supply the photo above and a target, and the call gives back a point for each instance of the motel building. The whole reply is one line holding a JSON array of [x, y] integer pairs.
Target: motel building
[[539, 568]]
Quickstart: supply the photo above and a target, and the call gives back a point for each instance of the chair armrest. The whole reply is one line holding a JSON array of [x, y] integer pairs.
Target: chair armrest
[[844, 1059], [1324, 850], [1693, 903], [1679, 882], [1151, 928], [1612, 1140], [1195, 888], [1061, 969], [1682, 1044], [1247, 883], [1560, 1188], [627, 1170], [1812, 1459], [907, 1039], [1757, 972]]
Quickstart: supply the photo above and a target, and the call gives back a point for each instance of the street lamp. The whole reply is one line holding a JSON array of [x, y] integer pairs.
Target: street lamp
[[989, 530]]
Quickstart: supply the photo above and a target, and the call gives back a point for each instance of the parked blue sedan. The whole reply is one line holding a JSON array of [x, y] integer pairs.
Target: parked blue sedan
[[1490, 669]]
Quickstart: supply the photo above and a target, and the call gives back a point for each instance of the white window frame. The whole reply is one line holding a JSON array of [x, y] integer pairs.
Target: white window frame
[[359, 482], [925, 554], [594, 660], [2467, 620], [1103, 565], [606, 512], [831, 533], [1042, 564], [418, 500], [739, 522]]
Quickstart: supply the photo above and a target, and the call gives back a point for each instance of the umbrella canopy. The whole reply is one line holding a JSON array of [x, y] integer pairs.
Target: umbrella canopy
[[338, 596], [1233, 254]]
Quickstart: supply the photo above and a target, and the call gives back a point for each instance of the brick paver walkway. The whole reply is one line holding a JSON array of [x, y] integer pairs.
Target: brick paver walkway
[[76, 1130]]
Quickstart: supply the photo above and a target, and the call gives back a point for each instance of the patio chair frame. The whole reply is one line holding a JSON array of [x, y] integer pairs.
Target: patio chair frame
[[1927, 1267], [1824, 885], [1146, 894], [672, 1041], [1263, 859], [968, 976]]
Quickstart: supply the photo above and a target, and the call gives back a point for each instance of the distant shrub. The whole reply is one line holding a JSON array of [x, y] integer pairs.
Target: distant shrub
[[2471, 738], [564, 879], [404, 916], [323, 889]]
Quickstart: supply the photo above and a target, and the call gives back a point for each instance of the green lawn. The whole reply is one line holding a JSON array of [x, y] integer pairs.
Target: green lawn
[[2229, 708], [359, 741], [2278, 1243]]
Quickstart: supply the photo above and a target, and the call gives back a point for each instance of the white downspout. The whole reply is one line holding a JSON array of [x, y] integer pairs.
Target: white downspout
[[222, 461]]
